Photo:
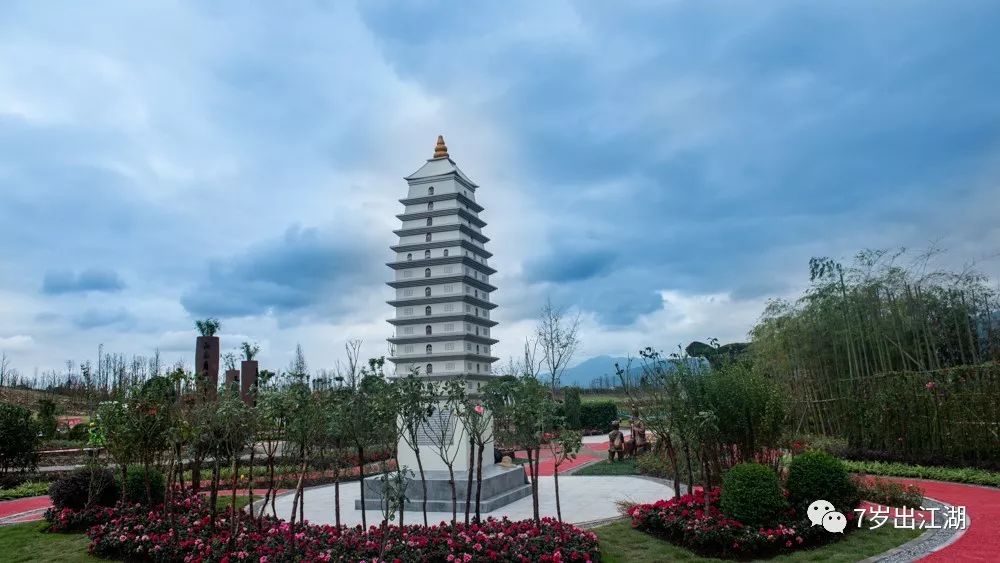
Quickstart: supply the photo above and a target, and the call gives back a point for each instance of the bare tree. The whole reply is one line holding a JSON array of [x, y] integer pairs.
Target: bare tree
[[529, 363], [4, 368], [557, 335], [353, 368]]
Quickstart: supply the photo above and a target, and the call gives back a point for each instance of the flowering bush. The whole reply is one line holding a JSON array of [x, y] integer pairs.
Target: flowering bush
[[70, 520], [135, 533], [686, 522], [888, 493]]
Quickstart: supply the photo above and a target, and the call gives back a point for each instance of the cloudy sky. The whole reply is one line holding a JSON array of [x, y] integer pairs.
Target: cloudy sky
[[661, 167]]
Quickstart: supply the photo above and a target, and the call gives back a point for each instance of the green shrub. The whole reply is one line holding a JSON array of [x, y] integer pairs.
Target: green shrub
[[73, 491], [18, 440], [26, 489], [653, 465], [818, 475], [134, 489], [832, 445], [953, 474], [752, 494], [598, 415], [47, 422], [572, 407], [79, 433]]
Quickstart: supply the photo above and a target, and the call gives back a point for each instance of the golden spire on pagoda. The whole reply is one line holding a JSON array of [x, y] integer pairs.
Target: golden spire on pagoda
[[441, 149]]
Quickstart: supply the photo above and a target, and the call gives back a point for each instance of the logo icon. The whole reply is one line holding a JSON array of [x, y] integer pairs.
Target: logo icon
[[821, 513], [817, 509], [834, 522]]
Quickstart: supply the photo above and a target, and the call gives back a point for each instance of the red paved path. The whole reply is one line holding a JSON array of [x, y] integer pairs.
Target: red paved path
[[32, 509], [981, 541], [19, 510]]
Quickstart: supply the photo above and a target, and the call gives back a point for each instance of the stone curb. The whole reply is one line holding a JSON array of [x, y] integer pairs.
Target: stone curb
[[928, 542]]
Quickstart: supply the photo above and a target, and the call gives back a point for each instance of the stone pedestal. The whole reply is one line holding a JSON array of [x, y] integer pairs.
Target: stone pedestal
[[248, 381], [232, 380], [206, 366], [501, 486]]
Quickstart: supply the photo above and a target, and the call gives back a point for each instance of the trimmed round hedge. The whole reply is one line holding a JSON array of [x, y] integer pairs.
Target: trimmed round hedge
[[73, 490], [134, 489], [752, 494], [818, 475]]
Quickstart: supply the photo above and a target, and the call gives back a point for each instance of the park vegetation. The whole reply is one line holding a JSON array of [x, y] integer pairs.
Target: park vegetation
[[897, 357]]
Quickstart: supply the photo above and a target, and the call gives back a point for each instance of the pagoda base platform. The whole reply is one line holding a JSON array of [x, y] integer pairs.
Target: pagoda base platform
[[501, 486]]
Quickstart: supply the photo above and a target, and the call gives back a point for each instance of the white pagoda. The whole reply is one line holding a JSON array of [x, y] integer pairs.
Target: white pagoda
[[442, 274], [442, 328]]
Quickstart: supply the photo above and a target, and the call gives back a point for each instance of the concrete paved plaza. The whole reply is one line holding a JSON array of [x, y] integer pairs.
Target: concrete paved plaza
[[584, 499]]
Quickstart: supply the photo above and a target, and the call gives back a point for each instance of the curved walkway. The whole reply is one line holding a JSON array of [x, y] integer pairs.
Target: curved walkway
[[29, 509], [981, 540]]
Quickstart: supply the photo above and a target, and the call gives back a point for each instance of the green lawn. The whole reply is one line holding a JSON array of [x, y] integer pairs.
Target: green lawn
[[620, 543], [241, 500], [27, 542], [605, 467]]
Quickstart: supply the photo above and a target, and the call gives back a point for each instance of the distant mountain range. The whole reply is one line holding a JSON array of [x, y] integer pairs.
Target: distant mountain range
[[586, 372]]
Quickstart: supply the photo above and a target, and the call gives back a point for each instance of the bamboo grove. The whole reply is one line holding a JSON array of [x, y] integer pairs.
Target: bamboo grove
[[892, 355]]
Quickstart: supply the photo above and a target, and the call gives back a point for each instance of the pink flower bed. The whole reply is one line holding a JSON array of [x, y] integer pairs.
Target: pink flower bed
[[135, 533], [685, 521]]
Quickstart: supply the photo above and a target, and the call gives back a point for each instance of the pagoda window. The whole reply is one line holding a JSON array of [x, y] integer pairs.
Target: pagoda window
[[427, 272], [427, 330], [429, 349], [427, 310], [446, 252], [430, 190], [409, 256], [427, 237], [430, 206], [427, 292], [427, 254], [430, 367], [430, 221]]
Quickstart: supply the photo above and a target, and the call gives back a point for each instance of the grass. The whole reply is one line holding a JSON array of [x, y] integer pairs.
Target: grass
[[620, 544], [605, 467], [27, 542], [953, 474], [27, 489], [223, 501]]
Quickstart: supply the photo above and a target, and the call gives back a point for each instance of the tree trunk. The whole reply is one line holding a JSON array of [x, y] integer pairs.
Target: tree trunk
[[302, 492], [532, 464], [468, 479], [479, 480], [336, 492], [234, 516], [454, 496], [555, 477], [423, 481], [195, 474], [214, 487], [538, 459], [250, 483], [145, 482], [361, 480], [273, 485], [690, 468]]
